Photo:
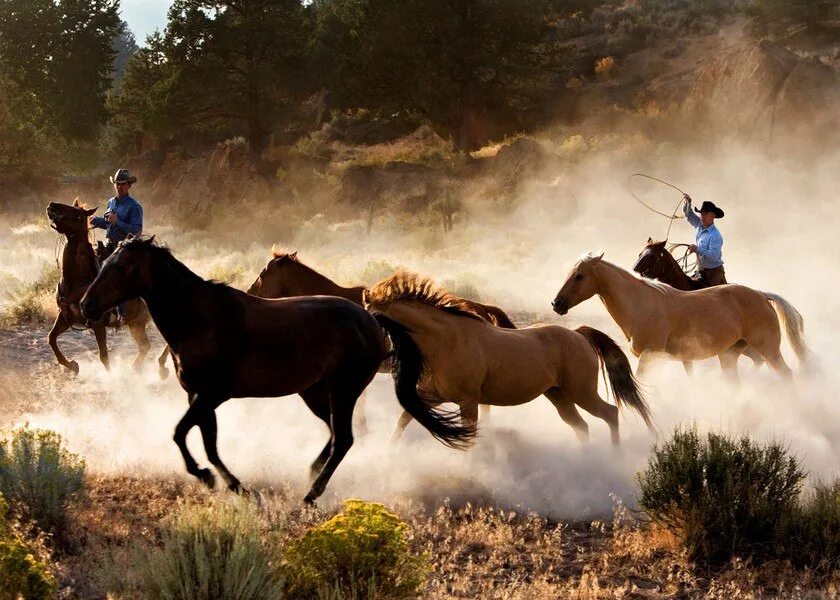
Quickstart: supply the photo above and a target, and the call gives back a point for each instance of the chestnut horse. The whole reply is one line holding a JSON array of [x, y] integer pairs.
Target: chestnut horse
[[658, 319], [453, 355], [79, 267], [285, 276], [656, 262], [228, 344]]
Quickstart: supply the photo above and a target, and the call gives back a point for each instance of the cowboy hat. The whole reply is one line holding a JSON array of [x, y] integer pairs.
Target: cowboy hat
[[123, 176], [710, 207]]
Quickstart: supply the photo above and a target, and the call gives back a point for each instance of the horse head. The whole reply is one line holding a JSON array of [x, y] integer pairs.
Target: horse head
[[69, 220], [270, 282], [124, 275], [652, 260], [581, 284]]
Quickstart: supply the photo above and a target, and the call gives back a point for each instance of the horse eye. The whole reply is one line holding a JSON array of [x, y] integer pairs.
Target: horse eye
[[578, 277]]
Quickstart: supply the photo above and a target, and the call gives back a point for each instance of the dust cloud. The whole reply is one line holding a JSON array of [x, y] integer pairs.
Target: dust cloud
[[780, 231]]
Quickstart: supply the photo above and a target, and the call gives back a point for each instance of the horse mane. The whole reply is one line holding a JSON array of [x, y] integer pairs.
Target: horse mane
[[176, 266], [403, 285]]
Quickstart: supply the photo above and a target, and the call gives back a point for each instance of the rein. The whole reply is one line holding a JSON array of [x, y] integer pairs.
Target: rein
[[685, 262]]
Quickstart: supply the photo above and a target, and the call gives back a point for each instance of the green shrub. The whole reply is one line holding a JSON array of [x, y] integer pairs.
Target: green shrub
[[47, 280], [39, 476], [725, 497], [211, 553], [21, 574], [25, 308], [810, 537], [360, 553]]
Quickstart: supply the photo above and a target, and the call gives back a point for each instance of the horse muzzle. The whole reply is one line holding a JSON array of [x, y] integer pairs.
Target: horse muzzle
[[560, 306]]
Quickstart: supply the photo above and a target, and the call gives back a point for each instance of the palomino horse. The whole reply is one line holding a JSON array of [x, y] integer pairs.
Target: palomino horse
[[656, 262], [285, 276], [658, 319], [228, 344], [79, 267], [449, 354]]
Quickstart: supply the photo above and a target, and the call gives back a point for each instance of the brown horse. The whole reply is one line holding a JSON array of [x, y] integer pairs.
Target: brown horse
[[456, 356], [79, 267], [658, 319], [228, 344], [656, 262], [285, 276]]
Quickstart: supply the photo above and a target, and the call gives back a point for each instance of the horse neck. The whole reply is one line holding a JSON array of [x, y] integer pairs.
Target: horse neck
[[179, 300], [78, 262], [624, 296], [674, 275], [426, 322], [308, 281]]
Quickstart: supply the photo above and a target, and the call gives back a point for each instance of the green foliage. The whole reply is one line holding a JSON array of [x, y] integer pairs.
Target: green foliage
[[726, 497], [810, 537], [360, 553], [39, 475], [25, 308], [463, 67], [21, 574], [781, 17], [211, 553]]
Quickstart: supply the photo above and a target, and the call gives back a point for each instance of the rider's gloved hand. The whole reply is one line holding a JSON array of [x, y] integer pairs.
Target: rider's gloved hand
[[687, 199]]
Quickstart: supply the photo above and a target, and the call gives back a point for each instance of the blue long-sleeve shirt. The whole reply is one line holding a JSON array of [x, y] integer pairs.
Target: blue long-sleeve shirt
[[129, 218], [708, 240]]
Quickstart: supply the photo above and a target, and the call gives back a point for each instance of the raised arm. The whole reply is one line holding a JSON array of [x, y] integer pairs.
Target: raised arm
[[689, 213]]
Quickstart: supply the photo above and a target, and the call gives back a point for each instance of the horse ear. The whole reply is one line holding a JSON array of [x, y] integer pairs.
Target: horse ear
[[365, 297], [150, 241], [293, 255], [76, 203], [650, 240], [90, 211], [597, 258]]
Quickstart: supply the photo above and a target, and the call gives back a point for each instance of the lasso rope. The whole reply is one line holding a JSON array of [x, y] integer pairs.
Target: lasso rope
[[673, 216]]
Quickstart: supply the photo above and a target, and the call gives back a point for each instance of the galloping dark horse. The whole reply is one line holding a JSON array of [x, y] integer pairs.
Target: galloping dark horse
[[285, 276], [228, 344], [78, 269], [656, 262]]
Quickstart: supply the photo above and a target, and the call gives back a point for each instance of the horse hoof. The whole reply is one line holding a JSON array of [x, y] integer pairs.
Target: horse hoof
[[310, 500], [74, 367], [207, 478]]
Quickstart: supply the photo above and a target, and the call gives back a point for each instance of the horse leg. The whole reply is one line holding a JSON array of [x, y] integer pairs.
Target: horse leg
[[646, 361], [342, 401], [317, 398], [162, 370], [402, 423], [768, 347], [569, 413], [101, 339], [209, 434], [484, 413], [60, 326], [689, 368], [194, 415], [590, 401], [729, 364], [361, 416], [138, 332], [777, 362], [469, 413], [754, 356]]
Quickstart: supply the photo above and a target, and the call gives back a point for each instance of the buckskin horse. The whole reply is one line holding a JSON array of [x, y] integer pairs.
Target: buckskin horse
[[450, 354], [79, 267], [229, 344], [659, 319], [286, 276]]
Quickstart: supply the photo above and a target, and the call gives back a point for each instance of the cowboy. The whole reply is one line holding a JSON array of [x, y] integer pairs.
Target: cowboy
[[123, 216], [708, 244]]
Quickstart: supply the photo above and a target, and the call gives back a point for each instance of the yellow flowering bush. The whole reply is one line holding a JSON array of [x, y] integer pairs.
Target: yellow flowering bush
[[21, 574], [361, 552]]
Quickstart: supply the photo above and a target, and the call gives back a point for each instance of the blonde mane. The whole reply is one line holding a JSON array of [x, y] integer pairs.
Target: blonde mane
[[277, 252], [403, 285]]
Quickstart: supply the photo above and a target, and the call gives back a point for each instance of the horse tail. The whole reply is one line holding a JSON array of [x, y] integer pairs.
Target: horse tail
[[408, 364], [625, 387], [793, 323]]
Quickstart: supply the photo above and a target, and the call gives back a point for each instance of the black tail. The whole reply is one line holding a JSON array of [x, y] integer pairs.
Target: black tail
[[407, 363], [624, 386]]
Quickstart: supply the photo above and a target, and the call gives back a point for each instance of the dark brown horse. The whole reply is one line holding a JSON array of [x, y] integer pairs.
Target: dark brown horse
[[79, 267], [285, 276], [228, 344], [656, 262]]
